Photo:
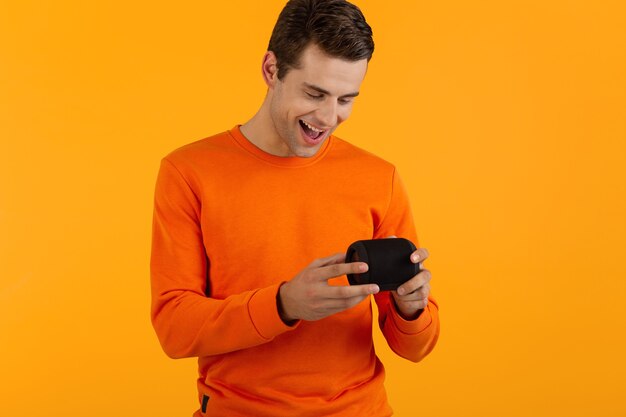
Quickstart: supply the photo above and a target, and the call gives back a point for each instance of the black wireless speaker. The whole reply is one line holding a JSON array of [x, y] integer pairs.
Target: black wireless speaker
[[388, 259]]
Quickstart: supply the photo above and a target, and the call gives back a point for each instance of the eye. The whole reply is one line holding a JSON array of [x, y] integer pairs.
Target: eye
[[315, 96], [345, 101]]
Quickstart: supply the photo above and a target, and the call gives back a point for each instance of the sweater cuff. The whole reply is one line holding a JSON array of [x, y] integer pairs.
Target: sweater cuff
[[411, 326], [264, 313]]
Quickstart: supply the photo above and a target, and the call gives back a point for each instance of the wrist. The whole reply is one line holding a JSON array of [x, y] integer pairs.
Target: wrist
[[280, 305], [404, 313]]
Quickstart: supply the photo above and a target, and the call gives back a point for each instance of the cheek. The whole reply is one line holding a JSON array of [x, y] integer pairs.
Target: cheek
[[285, 106], [301, 108], [344, 112]]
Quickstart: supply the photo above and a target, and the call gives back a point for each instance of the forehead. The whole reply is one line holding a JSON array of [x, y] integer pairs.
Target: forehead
[[333, 74]]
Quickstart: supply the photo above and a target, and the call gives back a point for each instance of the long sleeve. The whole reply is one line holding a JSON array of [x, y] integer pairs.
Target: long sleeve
[[189, 323], [411, 339]]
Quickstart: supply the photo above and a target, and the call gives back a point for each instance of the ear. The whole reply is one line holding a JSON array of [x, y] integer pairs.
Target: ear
[[269, 68]]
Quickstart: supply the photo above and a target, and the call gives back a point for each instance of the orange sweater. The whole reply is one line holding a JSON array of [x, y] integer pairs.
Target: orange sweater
[[231, 223]]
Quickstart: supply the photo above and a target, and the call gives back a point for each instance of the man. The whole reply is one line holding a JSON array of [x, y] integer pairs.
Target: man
[[244, 223]]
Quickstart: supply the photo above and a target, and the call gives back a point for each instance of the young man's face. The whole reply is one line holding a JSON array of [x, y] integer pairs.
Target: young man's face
[[310, 102]]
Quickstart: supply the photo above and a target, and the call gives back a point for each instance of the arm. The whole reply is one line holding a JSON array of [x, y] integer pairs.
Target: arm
[[411, 339], [187, 322]]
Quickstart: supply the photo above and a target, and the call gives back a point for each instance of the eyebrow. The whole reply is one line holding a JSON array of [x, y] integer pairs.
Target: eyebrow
[[321, 90]]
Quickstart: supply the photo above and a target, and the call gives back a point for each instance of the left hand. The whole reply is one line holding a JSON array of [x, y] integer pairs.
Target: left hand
[[412, 296]]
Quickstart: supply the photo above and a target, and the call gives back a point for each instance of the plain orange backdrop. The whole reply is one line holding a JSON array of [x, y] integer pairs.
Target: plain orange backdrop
[[507, 121]]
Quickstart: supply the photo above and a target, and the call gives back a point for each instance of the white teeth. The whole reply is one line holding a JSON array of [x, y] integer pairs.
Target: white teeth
[[312, 128]]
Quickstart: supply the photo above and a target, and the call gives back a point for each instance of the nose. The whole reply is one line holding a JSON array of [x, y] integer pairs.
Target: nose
[[328, 114]]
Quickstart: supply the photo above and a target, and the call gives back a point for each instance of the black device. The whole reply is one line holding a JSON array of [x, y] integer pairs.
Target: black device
[[388, 260]]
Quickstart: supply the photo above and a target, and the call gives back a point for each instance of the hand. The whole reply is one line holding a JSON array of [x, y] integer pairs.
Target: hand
[[309, 297], [412, 296]]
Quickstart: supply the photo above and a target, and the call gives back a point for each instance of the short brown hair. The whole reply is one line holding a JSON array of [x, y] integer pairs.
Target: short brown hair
[[337, 27]]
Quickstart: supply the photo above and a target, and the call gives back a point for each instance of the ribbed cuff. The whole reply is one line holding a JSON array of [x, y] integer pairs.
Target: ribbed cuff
[[263, 312], [411, 326]]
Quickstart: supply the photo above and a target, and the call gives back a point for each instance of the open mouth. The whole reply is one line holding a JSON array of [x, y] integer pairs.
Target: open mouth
[[311, 132]]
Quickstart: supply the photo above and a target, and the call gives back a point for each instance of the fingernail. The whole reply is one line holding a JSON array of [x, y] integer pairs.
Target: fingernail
[[374, 289], [401, 291], [363, 267], [415, 258]]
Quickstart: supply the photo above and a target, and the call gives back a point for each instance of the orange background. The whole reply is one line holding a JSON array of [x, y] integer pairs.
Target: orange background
[[507, 121]]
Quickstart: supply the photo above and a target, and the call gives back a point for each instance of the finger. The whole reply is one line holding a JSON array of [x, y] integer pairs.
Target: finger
[[419, 255], [414, 283], [324, 273], [332, 306], [419, 294], [328, 260], [415, 305], [346, 292], [338, 304]]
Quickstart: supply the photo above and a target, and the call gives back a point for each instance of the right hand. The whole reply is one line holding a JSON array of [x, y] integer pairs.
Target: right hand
[[309, 297]]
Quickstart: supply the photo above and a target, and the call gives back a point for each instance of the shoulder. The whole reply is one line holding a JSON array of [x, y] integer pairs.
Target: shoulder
[[359, 158], [199, 150], [202, 159]]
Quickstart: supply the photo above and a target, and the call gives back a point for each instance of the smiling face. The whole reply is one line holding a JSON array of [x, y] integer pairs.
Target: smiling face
[[308, 104]]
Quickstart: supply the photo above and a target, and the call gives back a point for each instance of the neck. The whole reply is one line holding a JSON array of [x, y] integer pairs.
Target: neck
[[260, 130]]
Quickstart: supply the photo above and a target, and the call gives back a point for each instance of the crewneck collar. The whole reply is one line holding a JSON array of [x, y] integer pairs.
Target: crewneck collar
[[284, 161]]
